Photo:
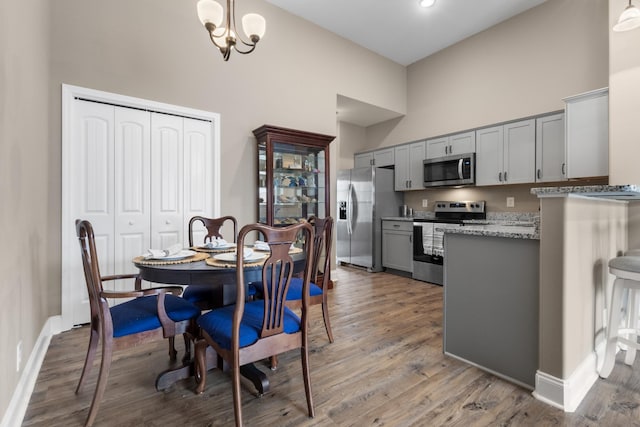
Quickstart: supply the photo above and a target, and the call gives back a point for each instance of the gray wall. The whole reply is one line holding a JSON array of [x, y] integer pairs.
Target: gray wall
[[26, 265]]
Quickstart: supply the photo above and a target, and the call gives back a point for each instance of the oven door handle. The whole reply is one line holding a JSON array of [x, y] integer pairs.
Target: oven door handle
[[460, 168]]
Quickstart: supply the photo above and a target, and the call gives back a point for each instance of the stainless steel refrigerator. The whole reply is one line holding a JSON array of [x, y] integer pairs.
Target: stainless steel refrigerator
[[365, 195]]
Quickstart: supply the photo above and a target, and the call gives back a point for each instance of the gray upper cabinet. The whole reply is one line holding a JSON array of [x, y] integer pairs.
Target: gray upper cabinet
[[460, 143], [506, 154], [587, 133], [378, 158], [409, 166], [550, 149]]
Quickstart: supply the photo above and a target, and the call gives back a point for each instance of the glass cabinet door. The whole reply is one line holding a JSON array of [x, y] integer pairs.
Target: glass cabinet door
[[298, 183]]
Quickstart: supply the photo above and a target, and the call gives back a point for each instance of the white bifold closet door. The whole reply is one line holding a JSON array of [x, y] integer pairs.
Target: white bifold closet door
[[138, 176]]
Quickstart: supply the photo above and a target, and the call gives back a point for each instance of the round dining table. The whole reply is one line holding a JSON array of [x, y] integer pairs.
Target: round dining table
[[222, 281]]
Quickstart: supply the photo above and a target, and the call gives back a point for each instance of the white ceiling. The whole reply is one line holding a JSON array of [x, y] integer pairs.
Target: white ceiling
[[401, 31]]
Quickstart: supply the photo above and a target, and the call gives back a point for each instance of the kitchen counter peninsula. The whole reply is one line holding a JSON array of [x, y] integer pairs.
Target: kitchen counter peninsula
[[581, 229], [491, 311]]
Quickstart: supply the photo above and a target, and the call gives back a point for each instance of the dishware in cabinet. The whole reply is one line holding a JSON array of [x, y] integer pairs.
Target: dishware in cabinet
[[293, 175]]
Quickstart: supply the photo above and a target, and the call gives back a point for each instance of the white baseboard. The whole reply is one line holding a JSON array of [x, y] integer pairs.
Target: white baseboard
[[22, 394], [566, 394]]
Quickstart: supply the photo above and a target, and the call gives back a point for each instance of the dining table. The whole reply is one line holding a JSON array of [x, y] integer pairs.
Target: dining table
[[212, 269]]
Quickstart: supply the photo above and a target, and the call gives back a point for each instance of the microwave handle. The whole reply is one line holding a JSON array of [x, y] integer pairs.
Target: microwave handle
[[460, 169]]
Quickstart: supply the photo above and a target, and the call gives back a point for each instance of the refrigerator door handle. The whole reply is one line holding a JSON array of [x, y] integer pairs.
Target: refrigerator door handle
[[349, 209]]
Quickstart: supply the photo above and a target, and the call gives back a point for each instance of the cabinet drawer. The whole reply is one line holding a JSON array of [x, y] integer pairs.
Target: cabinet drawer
[[397, 225]]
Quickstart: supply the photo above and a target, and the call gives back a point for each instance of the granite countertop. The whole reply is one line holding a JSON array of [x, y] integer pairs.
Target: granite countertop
[[513, 230], [515, 225], [618, 192]]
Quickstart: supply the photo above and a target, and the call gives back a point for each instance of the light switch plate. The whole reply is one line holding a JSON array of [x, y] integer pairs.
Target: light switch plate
[[425, 203], [511, 202]]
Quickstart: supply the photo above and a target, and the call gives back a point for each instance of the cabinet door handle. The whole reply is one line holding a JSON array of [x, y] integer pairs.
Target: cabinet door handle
[[409, 183], [505, 176], [538, 174], [563, 172], [396, 225], [500, 176]]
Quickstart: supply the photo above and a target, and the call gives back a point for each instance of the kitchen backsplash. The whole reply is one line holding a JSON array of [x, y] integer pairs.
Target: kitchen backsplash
[[495, 196]]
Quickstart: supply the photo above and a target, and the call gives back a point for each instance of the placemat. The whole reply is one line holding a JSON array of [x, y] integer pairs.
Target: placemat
[[294, 250], [226, 264], [212, 250], [197, 257]]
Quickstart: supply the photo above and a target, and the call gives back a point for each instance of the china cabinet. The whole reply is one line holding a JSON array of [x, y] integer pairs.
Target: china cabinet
[[293, 175]]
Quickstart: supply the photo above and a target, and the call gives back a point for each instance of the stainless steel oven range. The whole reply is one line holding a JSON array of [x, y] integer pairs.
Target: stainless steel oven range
[[428, 236]]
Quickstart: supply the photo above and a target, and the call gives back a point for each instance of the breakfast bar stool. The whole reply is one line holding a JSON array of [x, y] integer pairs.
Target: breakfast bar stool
[[627, 272]]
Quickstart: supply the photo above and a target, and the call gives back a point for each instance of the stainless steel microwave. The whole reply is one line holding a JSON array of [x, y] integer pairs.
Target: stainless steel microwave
[[450, 170]]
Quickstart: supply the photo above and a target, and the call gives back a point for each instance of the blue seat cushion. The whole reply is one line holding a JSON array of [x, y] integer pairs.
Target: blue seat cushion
[[218, 323], [195, 293], [295, 289], [141, 314]]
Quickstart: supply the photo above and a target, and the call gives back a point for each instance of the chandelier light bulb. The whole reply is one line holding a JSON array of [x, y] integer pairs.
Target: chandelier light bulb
[[210, 11], [254, 25], [629, 19]]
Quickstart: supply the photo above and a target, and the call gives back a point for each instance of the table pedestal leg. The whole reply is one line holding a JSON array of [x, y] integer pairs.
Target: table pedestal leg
[[257, 377], [187, 370]]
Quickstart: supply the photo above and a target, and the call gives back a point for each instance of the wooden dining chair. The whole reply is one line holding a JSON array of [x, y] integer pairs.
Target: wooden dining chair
[[201, 295], [253, 330], [319, 286], [148, 315]]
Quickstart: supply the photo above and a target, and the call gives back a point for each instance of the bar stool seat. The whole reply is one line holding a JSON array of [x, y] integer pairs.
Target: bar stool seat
[[627, 272]]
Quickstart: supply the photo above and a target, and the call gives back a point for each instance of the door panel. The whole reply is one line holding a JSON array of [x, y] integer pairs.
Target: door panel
[[362, 238], [92, 194], [343, 238], [520, 151], [198, 178], [362, 227], [489, 155], [133, 189], [167, 180]]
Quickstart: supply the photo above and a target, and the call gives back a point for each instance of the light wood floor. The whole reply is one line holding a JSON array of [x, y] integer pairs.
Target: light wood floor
[[386, 367]]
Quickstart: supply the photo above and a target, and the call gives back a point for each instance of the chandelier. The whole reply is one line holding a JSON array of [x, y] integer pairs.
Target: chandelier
[[227, 38]]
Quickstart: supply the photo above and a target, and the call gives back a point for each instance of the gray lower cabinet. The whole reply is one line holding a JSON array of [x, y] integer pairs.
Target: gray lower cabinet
[[491, 304], [397, 245]]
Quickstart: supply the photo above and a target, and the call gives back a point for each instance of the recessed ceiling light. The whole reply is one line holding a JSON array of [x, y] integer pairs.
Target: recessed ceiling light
[[426, 3]]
